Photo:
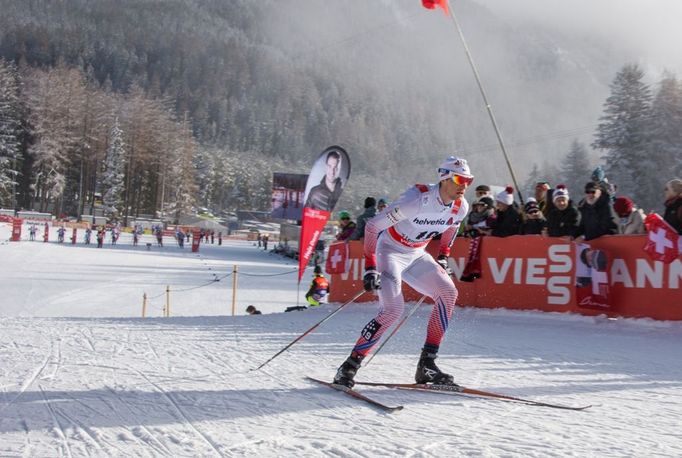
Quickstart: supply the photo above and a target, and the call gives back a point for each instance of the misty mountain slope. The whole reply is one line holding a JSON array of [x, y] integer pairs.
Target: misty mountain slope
[[387, 80]]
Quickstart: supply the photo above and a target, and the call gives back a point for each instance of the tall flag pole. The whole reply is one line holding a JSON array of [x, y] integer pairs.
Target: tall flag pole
[[326, 181], [431, 4]]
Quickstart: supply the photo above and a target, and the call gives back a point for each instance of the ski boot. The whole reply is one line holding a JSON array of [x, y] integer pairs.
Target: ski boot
[[346, 372], [428, 372]]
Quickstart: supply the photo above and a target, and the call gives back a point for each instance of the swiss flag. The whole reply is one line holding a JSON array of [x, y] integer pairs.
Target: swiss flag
[[337, 258], [664, 241], [432, 4]]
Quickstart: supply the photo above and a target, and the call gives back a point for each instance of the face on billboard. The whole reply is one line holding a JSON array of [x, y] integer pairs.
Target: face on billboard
[[327, 179], [333, 169]]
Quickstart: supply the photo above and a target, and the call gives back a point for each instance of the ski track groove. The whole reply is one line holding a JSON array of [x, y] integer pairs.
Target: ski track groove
[[58, 425], [27, 383], [57, 364], [83, 432], [159, 446], [182, 414]]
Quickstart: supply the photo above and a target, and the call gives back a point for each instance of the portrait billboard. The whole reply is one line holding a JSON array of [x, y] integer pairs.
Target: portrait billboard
[[327, 179]]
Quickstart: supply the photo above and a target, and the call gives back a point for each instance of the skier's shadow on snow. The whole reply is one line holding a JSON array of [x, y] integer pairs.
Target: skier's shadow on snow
[[102, 408]]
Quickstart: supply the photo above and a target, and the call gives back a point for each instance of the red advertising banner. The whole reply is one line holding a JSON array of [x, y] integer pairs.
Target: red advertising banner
[[16, 229], [528, 272], [196, 240], [311, 229], [326, 181]]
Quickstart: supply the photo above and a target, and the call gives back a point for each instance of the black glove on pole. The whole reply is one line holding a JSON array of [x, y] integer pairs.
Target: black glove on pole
[[372, 279]]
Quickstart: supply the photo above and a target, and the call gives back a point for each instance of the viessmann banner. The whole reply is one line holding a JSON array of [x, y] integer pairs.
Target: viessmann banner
[[543, 273]]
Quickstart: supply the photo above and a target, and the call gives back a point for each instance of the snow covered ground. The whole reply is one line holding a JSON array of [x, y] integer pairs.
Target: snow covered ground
[[81, 374]]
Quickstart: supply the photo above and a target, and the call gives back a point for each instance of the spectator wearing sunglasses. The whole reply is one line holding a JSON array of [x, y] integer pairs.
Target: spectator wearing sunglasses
[[535, 222], [673, 204], [508, 220], [597, 217], [563, 218], [630, 218]]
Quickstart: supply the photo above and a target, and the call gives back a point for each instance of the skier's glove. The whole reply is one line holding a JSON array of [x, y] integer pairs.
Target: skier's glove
[[443, 262], [372, 279]]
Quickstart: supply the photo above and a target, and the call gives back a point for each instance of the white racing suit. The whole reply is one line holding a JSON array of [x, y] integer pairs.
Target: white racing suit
[[395, 242]]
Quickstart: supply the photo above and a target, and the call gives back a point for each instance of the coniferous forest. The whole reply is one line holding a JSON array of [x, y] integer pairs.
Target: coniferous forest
[[154, 106]]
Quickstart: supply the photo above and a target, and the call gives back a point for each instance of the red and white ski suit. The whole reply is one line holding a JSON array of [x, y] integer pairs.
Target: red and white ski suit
[[395, 242]]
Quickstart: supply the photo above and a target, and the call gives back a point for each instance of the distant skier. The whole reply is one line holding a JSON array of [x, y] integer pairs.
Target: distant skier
[[60, 234], [32, 232], [319, 289], [88, 236], [395, 243], [159, 236], [100, 237]]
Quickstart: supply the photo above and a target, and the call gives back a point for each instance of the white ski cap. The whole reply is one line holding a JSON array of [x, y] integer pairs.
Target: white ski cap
[[453, 166]]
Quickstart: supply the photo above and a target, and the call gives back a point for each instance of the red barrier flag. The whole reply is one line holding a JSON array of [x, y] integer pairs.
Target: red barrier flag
[[432, 4], [663, 243], [323, 189], [337, 258]]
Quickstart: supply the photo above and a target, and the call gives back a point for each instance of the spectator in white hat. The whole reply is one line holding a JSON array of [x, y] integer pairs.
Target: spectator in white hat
[[508, 219], [563, 217]]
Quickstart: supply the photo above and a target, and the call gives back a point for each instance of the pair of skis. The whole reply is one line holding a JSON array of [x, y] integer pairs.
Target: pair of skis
[[446, 389]]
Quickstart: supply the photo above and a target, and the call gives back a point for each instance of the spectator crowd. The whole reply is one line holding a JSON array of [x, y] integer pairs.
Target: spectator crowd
[[553, 212]]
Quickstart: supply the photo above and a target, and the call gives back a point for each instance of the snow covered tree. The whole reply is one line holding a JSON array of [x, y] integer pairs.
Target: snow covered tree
[[622, 133], [665, 146], [576, 170], [10, 124], [113, 173], [182, 175]]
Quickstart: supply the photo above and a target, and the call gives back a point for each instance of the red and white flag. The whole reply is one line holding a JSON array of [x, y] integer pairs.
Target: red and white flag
[[432, 4], [337, 258], [663, 243]]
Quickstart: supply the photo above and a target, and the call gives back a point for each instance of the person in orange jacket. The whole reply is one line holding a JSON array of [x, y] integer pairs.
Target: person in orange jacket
[[319, 289]]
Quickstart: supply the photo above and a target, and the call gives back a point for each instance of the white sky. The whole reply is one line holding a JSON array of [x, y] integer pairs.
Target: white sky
[[651, 29]]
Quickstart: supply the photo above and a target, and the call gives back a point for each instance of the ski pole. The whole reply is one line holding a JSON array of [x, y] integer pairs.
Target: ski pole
[[405, 318], [311, 329]]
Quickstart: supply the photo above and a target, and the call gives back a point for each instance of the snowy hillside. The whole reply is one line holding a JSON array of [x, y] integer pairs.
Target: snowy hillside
[[82, 375]]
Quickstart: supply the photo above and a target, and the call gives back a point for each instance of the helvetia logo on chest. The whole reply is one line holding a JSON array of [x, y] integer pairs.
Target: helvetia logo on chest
[[431, 222]]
